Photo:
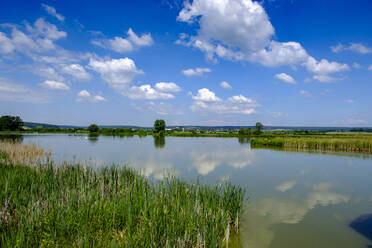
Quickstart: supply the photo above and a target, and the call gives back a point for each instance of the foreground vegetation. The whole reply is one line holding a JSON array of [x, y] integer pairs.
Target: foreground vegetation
[[72, 205], [330, 142]]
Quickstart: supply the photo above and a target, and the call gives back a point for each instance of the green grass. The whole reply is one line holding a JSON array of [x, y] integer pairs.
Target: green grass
[[75, 206], [346, 143]]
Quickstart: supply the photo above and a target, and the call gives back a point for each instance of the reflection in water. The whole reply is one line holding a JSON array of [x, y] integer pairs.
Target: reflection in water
[[11, 137], [205, 161], [93, 138], [288, 204], [243, 140], [262, 214], [159, 141], [286, 186]]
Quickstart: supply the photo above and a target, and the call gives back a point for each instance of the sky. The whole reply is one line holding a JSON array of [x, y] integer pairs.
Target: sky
[[197, 62]]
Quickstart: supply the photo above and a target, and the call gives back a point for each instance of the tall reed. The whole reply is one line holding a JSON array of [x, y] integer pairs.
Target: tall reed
[[75, 206], [346, 144]]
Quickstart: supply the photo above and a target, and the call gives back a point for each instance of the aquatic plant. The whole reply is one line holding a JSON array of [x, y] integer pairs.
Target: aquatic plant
[[333, 143], [73, 205]]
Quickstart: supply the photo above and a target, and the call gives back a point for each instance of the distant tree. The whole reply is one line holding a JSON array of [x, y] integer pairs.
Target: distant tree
[[259, 127], [93, 128], [10, 123], [159, 126]]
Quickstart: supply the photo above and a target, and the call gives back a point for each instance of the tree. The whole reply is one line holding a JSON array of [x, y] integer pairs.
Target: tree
[[259, 127], [159, 126], [10, 123], [93, 128]]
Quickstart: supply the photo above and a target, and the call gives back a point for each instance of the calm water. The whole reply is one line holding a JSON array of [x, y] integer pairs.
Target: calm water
[[295, 199]]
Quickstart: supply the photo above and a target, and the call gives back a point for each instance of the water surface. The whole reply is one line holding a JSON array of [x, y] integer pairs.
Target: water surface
[[296, 199]]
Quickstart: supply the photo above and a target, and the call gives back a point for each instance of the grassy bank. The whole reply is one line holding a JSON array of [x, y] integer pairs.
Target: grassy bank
[[351, 143], [74, 206]]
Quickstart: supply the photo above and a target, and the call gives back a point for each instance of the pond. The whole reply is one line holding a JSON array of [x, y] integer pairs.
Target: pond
[[296, 199]]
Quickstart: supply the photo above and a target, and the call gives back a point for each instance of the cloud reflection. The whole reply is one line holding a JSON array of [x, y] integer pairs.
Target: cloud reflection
[[261, 215]]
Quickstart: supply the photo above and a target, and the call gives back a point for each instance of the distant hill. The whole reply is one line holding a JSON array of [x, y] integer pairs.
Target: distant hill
[[368, 129]]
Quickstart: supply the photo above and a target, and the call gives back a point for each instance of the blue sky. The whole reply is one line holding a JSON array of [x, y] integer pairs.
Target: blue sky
[[200, 62]]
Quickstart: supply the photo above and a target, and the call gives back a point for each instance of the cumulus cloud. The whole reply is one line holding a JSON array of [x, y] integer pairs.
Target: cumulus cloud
[[128, 44], [324, 67], [54, 85], [32, 40], [147, 92], [206, 101], [285, 78], [52, 11], [118, 73], [225, 85], [240, 30], [46, 29], [354, 47], [85, 95], [167, 87], [77, 71], [195, 72], [205, 95]]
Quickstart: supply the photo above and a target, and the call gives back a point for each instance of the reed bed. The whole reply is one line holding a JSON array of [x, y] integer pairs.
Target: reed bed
[[16, 153], [76, 206], [361, 144]]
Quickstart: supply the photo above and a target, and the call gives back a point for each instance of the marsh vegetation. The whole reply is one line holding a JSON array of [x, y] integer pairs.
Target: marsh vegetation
[[43, 204]]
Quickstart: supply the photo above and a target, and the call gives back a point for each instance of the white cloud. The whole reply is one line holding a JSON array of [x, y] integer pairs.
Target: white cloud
[[354, 47], [167, 87], [6, 44], [128, 44], [36, 39], [240, 30], [235, 23], [305, 93], [225, 85], [280, 53], [205, 95], [325, 78], [195, 72], [163, 108], [147, 92], [207, 101], [116, 72], [77, 71], [46, 72], [285, 78], [349, 101], [46, 29], [54, 85], [370, 67], [52, 11], [84, 95], [324, 67], [12, 92]]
